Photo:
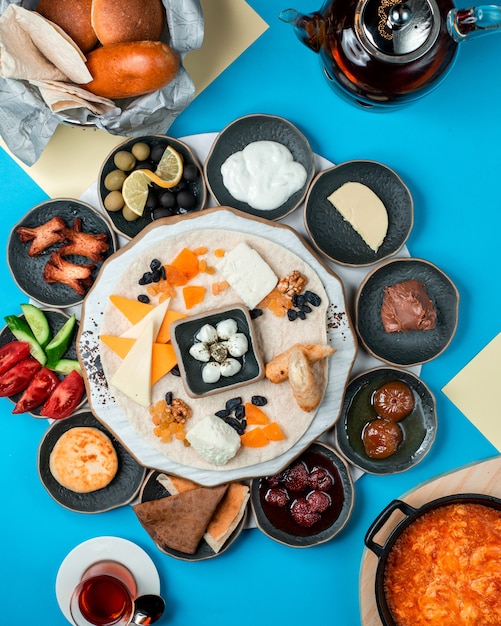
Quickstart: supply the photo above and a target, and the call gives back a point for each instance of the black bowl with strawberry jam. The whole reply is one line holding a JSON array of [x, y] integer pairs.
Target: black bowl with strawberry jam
[[307, 503]]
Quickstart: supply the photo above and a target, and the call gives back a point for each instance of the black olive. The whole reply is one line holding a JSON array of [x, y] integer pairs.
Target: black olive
[[186, 199], [157, 153], [190, 172], [167, 200], [160, 212]]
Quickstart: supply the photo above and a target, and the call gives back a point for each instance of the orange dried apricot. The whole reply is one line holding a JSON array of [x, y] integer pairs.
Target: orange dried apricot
[[254, 415], [254, 438], [175, 276], [273, 432], [187, 262], [278, 303], [193, 295]]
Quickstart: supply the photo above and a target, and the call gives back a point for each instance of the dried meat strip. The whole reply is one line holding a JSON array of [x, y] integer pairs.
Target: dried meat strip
[[43, 236], [59, 270], [92, 246]]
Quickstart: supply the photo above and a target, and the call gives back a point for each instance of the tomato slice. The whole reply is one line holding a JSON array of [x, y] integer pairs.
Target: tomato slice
[[36, 393], [65, 398], [13, 352], [18, 377]]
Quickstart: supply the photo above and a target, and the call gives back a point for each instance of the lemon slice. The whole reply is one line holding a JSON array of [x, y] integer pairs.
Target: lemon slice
[[135, 191], [154, 178], [170, 167]]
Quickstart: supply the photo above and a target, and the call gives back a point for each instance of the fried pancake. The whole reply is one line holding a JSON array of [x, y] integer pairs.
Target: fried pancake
[[83, 459]]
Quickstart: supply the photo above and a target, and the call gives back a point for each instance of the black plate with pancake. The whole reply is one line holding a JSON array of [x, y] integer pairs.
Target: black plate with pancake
[[244, 131], [56, 320], [416, 346], [334, 236], [28, 271], [122, 489], [419, 427], [153, 490]]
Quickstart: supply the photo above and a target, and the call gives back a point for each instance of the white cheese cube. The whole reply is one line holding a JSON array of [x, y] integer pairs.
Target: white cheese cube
[[214, 440], [248, 274]]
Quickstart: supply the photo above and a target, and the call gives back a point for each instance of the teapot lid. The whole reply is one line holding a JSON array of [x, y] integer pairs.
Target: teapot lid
[[397, 31]]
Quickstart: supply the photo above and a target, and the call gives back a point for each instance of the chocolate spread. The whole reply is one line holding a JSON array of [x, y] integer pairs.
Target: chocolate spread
[[407, 306]]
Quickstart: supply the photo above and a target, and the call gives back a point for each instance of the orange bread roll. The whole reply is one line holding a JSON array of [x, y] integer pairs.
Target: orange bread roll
[[130, 69]]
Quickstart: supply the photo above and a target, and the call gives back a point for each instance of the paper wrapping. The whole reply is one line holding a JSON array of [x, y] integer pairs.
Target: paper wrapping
[[27, 123]]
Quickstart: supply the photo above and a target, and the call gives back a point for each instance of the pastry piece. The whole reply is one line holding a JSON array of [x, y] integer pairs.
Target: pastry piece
[[277, 370], [407, 306], [180, 521], [92, 246], [78, 277], [115, 21], [305, 387], [83, 459], [73, 16], [43, 236]]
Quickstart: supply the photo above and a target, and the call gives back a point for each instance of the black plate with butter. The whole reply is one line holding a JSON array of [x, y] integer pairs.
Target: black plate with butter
[[334, 237], [122, 489]]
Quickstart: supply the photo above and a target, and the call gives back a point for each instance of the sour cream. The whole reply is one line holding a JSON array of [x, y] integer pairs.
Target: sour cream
[[263, 174]]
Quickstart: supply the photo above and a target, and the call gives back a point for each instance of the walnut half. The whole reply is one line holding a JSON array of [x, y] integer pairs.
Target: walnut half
[[293, 284]]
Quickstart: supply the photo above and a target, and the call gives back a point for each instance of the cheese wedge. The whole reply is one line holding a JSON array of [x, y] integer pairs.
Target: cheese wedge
[[163, 356], [133, 376], [364, 210], [155, 317]]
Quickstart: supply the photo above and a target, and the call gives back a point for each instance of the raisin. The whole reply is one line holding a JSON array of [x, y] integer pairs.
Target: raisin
[[305, 308], [223, 413], [155, 265], [145, 279], [259, 400], [232, 404], [291, 314], [255, 313], [301, 315], [234, 423], [168, 398], [240, 411], [175, 371], [143, 298], [312, 298]]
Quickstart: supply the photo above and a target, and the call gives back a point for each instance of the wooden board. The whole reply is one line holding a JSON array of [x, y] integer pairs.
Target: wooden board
[[480, 477]]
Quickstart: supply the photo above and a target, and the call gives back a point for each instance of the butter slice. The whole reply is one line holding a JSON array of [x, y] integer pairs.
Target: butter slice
[[364, 210], [133, 376], [248, 274]]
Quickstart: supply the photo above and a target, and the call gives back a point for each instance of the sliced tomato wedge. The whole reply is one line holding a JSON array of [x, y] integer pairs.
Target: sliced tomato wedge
[[18, 377], [11, 353], [36, 393], [65, 398]]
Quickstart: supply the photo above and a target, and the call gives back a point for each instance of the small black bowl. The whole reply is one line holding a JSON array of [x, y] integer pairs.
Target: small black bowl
[[152, 489], [28, 271], [122, 489], [334, 237], [415, 346], [56, 319], [197, 187], [183, 334], [276, 522], [419, 427], [235, 137]]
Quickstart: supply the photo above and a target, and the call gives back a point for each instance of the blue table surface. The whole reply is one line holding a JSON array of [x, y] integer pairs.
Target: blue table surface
[[446, 147]]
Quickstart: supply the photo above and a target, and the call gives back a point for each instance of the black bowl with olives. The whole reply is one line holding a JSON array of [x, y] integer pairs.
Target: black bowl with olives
[[153, 192]]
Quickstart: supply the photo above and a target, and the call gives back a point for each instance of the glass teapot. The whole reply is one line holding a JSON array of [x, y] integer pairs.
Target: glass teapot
[[389, 52]]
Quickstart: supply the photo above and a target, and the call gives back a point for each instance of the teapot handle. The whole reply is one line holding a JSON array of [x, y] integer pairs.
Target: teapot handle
[[473, 22]]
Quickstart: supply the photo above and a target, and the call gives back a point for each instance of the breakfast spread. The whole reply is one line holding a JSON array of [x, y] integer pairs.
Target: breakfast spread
[[83, 459], [263, 174], [406, 307], [364, 210], [180, 282], [444, 567]]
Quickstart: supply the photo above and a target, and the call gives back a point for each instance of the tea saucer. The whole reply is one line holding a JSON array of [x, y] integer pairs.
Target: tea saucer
[[97, 549]]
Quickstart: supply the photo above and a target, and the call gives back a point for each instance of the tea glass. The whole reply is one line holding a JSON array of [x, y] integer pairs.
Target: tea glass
[[104, 596]]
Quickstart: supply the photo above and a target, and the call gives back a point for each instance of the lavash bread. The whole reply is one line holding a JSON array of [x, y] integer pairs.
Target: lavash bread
[[83, 459], [130, 69], [74, 17], [116, 21], [179, 522]]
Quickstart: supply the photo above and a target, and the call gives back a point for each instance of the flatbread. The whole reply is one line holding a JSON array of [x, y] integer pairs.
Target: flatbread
[[180, 521], [274, 336], [83, 459]]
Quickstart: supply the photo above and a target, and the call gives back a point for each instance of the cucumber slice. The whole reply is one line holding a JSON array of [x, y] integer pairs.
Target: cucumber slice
[[22, 332], [65, 366], [56, 348], [38, 323]]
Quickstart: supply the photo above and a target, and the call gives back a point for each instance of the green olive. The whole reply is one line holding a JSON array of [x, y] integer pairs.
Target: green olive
[[114, 201], [141, 150], [129, 215], [124, 160], [114, 180]]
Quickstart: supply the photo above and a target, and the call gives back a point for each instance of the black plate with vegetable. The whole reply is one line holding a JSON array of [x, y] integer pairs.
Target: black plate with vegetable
[[54, 349]]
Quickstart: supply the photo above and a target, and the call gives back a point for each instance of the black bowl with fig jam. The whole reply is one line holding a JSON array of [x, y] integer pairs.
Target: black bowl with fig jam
[[307, 503], [359, 410]]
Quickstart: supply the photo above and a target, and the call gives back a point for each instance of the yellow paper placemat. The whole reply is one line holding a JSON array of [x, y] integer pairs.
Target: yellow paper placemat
[[475, 391], [71, 160]]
